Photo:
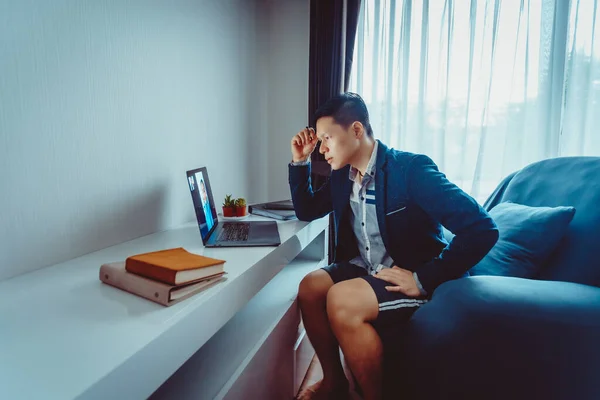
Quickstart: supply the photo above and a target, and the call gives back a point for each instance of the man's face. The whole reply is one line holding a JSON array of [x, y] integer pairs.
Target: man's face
[[203, 190], [338, 145]]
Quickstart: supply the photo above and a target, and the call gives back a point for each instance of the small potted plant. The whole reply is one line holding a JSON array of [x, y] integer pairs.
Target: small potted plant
[[229, 207], [240, 207]]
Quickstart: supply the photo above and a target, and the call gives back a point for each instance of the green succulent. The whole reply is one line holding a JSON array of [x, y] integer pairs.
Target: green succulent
[[241, 202], [229, 202]]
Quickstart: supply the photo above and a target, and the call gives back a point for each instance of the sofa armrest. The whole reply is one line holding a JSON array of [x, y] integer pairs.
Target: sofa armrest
[[501, 337]]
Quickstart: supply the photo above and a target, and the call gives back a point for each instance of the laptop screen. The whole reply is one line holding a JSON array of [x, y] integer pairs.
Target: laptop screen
[[203, 200]]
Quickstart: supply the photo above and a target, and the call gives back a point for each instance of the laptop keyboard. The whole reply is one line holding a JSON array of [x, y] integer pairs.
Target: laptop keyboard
[[234, 232]]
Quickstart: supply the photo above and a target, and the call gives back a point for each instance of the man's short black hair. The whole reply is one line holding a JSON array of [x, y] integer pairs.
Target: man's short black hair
[[346, 108]]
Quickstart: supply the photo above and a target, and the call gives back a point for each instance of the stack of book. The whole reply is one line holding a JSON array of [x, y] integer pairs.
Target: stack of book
[[165, 277], [282, 210]]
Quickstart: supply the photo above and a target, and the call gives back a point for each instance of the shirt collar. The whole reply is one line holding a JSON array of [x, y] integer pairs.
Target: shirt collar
[[370, 166]]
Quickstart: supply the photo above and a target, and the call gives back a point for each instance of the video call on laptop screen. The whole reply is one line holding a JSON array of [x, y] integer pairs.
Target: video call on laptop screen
[[202, 197]]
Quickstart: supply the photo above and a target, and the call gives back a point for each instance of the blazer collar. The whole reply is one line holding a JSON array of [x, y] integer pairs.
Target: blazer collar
[[381, 161]]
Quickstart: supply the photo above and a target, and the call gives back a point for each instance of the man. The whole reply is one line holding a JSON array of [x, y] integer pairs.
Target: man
[[389, 208], [205, 204]]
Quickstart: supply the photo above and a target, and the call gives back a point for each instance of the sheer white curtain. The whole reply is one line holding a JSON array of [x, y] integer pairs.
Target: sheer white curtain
[[581, 112], [482, 87]]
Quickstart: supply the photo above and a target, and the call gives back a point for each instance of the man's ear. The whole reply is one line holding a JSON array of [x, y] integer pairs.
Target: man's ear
[[358, 129]]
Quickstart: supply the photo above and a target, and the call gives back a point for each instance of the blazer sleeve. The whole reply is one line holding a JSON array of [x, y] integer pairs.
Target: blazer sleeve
[[475, 231], [308, 204]]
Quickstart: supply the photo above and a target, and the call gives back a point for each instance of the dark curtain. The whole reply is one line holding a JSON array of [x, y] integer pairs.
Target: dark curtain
[[333, 26]]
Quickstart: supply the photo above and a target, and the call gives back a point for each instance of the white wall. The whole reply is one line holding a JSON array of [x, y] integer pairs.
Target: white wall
[[105, 104], [284, 51], [289, 34]]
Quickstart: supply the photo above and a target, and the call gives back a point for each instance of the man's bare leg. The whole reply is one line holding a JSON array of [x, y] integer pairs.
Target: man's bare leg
[[350, 306], [312, 297]]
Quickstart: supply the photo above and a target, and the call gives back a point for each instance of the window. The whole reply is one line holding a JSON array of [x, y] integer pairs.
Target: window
[[483, 87]]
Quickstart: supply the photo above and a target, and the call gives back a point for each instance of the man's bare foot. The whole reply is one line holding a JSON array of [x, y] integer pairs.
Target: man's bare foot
[[323, 391]]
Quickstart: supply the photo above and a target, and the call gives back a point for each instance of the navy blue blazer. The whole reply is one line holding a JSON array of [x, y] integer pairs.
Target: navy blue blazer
[[413, 201]]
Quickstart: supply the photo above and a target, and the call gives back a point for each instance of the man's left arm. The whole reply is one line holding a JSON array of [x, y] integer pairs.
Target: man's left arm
[[475, 231]]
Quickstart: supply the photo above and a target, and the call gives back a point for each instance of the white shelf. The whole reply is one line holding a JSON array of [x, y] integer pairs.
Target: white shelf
[[220, 366], [64, 334], [244, 380]]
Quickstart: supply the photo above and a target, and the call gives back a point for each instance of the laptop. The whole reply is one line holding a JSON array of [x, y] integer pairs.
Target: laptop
[[217, 233]]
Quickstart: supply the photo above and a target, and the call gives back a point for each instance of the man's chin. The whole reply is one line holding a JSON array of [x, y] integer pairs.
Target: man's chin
[[335, 165]]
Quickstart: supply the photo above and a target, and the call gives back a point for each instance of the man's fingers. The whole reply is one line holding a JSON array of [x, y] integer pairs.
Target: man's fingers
[[387, 279], [298, 139], [383, 275], [389, 273], [306, 134], [311, 136], [305, 138], [393, 288]]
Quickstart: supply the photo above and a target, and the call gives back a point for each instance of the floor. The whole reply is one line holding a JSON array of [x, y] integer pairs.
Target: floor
[[315, 374]]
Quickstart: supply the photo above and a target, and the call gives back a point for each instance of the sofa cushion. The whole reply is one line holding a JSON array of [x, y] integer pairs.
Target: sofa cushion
[[563, 181], [527, 236]]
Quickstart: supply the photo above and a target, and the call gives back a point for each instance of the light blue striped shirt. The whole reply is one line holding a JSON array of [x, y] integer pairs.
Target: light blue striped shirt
[[373, 254]]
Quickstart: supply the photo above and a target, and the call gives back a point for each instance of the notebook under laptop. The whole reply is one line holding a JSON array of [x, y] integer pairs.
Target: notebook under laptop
[[216, 233]]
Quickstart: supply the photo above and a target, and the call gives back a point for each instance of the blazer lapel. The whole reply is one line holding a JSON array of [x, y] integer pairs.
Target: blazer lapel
[[381, 190], [346, 188], [342, 203]]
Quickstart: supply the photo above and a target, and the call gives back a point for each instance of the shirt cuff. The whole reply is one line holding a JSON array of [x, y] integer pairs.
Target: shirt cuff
[[418, 282], [300, 163]]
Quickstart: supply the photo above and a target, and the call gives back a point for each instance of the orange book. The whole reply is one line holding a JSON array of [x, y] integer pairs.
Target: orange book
[[173, 266]]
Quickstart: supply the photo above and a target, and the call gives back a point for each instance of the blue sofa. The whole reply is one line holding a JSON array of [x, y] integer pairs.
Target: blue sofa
[[493, 337]]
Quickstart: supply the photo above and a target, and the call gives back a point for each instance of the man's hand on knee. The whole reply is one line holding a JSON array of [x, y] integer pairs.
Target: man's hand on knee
[[402, 279]]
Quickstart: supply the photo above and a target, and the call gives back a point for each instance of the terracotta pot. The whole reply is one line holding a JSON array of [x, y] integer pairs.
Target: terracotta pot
[[241, 211], [229, 211]]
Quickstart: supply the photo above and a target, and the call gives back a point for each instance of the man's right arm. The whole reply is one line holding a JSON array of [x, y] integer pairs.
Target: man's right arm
[[309, 205]]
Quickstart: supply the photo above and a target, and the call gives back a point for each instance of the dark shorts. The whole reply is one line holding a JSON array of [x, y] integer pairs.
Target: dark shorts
[[395, 308]]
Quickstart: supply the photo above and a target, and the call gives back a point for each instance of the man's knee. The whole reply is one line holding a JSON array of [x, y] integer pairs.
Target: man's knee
[[351, 303], [314, 287]]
